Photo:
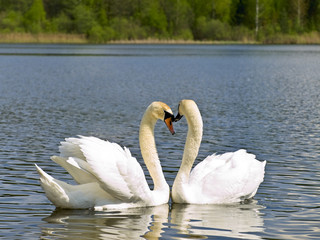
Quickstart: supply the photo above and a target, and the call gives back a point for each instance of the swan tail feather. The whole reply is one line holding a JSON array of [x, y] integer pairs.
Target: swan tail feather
[[64, 195], [55, 190]]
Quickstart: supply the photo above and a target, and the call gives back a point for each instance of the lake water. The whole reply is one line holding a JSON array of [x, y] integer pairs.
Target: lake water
[[265, 99]]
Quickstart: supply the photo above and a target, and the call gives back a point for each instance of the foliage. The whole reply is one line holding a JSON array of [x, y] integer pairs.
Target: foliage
[[125, 29], [35, 18], [153, 18], [222, 20], [11, 21], [212, 29], [83, 19]]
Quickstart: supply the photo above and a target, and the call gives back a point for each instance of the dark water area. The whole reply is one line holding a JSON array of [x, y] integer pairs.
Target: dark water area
[[264, 99]]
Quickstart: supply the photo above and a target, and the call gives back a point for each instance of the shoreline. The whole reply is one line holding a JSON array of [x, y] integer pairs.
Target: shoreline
[[42, 38], [62, 38]]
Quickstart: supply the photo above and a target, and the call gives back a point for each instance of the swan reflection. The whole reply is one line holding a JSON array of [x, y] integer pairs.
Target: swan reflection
[[234, 220], [132, 223], [183, 221]]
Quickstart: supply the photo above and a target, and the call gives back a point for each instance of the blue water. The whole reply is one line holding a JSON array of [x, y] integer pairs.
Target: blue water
[[262, 98]]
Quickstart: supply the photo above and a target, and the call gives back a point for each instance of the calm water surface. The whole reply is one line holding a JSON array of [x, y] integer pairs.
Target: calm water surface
[[262, 98]]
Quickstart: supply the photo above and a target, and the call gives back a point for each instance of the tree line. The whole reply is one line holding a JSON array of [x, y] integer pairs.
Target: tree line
[[215, 20]]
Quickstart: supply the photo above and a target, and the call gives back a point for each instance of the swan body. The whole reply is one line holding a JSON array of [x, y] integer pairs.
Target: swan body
[[227, 178], [108, 176]]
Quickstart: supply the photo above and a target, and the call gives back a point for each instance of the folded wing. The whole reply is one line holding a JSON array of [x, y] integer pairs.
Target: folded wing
[[229, 177], [90, 159]]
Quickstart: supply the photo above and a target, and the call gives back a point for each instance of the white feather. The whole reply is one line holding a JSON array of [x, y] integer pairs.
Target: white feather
[[64, 195], [79, 174]]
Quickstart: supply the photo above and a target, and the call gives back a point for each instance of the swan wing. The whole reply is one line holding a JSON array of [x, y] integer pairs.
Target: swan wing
[[64, 195], [117, 172], [229, 177], [71, 148], [77, 168], [72, 159]]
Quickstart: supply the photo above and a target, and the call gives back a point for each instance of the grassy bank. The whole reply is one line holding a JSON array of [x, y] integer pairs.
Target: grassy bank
[[42, 38], [306, 38], [81, 39], [56, 38], [176, 41]]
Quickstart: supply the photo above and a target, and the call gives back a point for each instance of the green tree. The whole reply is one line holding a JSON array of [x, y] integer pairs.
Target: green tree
[[35, 17], [17, 5], [102, 17], [202, 8], [103, 20], [154, 18], [222, 10], [179, 18], [11, 21], [83, 19], [55, 8], [62, 23], [125, 29], [313, 13], [212, 29]]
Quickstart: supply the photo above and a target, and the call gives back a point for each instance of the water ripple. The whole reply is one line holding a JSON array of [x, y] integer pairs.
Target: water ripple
[[261, 98]]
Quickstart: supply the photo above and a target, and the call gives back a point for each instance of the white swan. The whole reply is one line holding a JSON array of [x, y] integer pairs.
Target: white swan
[[108, 176], [227, 178]]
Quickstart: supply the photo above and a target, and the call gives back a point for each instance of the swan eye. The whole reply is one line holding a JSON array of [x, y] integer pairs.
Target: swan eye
[[168, 115]]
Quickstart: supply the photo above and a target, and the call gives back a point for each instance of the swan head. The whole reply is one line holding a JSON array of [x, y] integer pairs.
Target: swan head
[[163, 112], [185, 106]]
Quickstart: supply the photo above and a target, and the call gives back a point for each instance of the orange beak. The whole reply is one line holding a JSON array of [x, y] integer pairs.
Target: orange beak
[[168, 122]]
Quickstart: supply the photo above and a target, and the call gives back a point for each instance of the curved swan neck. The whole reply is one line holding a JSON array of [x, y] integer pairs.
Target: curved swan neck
[[193, 141], [149, 150]]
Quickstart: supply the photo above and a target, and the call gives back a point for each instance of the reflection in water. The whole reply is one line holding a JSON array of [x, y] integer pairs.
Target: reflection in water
[[200, 221], [124, 224]]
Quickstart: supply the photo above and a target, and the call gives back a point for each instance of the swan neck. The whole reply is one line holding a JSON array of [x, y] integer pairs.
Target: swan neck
[[149, 151], [192, 145]]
